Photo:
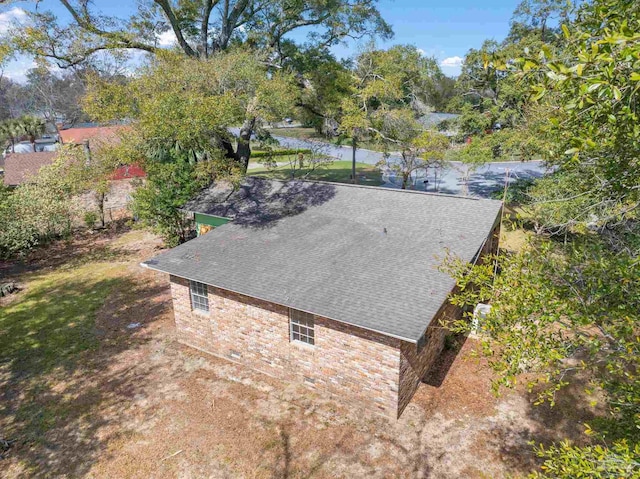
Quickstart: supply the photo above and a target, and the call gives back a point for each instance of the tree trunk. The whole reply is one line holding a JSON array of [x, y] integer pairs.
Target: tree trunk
[[244, 143], [101, 197], [405, 180], [354, 147], [227, 146]]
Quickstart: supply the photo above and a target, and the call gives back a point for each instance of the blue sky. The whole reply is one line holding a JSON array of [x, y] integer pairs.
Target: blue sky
[[446, 29]]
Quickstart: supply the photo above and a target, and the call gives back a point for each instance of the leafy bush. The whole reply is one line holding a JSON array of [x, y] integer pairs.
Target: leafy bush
[[566, 461], [262, 154], [31, 215], [90, 218], [168, 187]]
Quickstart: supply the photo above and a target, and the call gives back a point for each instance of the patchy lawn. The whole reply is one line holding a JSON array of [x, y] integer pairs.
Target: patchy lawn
[[338, 172], [93, 383], [312, 134]]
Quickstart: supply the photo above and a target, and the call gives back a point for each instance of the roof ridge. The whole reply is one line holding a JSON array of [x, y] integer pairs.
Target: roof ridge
[[380, 188]]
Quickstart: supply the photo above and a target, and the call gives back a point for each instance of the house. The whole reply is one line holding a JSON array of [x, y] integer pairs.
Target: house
[[91, 133], [124, 180], [19, 167], [41, 144], [335, 286], [92, 136]]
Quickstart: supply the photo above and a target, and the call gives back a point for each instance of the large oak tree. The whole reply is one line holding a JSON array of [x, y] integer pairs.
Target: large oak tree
[[201, 29]]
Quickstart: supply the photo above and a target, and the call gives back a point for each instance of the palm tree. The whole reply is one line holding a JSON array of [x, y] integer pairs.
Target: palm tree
[[32, 127], [11, 130]]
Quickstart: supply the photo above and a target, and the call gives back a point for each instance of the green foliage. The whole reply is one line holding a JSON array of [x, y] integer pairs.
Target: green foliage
[[276, 153], [571, 304], [32, 127], [389, 93], [13, 130], [90, 218], [6, 54], [201, 98], [168, 187], [565, 461], [326, 82], [553, 303], [596, 132], [35, 212]]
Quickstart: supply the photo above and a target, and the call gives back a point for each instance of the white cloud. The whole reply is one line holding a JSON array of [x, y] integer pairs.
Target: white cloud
[[421, 52], [11, 18], [167, 39], [17, 69], [452, 62]]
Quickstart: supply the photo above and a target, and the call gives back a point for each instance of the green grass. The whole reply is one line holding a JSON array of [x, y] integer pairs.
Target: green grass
[[52, 322], [300, 133], [338, 172], [312, 134], [48, 340]]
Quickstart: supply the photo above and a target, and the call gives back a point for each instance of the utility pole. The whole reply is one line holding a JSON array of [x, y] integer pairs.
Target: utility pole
[[354, 147]]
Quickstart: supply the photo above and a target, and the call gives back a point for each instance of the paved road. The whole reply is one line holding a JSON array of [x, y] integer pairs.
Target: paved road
[[486, 179]]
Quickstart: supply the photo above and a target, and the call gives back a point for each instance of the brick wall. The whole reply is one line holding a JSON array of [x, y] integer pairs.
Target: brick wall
[[116, 200], [346, 361], [415, 360]]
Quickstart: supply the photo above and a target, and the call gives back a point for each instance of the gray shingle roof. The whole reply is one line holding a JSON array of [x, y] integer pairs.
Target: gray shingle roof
[[360, 255]]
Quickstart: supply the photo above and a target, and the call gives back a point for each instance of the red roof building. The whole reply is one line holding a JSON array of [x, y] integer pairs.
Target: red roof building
[[102, 134], [96, 133]]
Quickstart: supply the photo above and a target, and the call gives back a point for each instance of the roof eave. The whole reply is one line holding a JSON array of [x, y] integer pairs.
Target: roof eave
[[401, 338]]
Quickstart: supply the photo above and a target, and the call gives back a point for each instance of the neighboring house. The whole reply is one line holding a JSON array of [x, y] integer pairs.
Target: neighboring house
[[335, 286], [123, 182], [41, 144], [92, 136], [92, 133], [19, 167]]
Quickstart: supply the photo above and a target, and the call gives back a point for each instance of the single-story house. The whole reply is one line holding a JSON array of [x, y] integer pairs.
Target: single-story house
[[336, 286]]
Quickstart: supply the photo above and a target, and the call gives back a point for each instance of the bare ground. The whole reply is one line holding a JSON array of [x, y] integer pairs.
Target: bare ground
[[141, 405]]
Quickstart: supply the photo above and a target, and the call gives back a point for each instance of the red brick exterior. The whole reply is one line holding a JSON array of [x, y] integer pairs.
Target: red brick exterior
[[347, 361]]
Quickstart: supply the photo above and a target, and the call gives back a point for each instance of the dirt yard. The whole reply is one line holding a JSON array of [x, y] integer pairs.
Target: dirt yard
[[93, 383]]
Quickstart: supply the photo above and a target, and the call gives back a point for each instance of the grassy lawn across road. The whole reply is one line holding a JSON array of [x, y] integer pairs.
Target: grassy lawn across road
[[311, 134], [338, 172]]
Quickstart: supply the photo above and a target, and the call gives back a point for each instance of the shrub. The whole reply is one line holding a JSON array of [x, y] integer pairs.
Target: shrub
[[267, 153], [31, 215], [90, 218]]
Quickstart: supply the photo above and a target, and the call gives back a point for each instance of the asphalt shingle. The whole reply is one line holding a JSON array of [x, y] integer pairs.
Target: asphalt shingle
[[20, 167], [360, 255]]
